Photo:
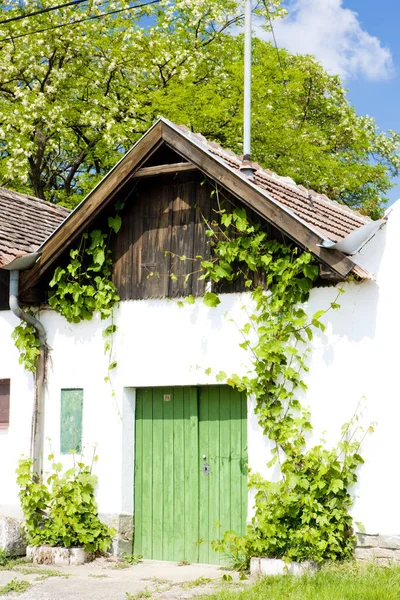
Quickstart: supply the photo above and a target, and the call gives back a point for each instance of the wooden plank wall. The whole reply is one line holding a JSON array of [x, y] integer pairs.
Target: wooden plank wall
[[164, 218]]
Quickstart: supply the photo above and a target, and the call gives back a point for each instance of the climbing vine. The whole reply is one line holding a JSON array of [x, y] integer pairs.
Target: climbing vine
[[27, 343], [305, 514], [78, 290]]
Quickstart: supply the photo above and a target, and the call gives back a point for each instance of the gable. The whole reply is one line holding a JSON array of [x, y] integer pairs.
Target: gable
[[186, 152]]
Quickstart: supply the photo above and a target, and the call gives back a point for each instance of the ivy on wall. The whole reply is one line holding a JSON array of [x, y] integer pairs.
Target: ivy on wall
[[78, 290], [305, 514]]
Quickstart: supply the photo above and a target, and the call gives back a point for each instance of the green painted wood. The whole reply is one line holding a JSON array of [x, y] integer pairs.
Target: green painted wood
[[179, 517], [138, 475], [71, 421], [204, 494], [180, 508], [223, 439], [168, 475], [147, 473], [157, 468], [191, 453]]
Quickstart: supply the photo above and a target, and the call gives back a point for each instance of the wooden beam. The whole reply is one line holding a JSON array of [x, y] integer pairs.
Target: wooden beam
[[99, 198], [257, 201], [165, 169]]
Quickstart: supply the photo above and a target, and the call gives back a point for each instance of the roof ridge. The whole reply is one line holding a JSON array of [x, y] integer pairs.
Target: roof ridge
[[216, 148]]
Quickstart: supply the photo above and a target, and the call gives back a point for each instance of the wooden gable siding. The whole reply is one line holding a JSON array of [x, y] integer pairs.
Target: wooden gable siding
[[164, 218], [161, 219]]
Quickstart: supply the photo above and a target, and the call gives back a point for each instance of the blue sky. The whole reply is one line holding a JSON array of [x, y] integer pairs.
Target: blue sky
[[359, 39]]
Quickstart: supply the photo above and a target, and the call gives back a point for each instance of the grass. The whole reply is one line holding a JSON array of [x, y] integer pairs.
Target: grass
[[34, 570], [15, 585], [344, 582], [139, 596], [97, 576], [120, 565], [10, 563]]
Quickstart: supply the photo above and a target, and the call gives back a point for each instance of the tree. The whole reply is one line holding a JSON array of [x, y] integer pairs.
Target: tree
[[74, 98]]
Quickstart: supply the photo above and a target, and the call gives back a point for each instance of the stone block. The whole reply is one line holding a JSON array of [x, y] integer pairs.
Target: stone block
[[77, 556], [383, 562], [61, 557], [272, 566], [396, 555], [255, 567], [42, 555], [390, 541], [260, 567], [365, 540], [12, 538], [364, 554], [383, 553]]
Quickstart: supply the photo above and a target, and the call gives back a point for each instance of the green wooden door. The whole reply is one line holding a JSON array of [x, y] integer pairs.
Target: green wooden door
[[180, 504]]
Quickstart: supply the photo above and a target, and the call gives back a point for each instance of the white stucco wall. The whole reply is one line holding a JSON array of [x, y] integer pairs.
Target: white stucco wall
[[159, 343]]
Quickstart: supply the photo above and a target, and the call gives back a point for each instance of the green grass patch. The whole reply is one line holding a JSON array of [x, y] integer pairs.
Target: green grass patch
[[17, 586], [34, 570], [344, 582]]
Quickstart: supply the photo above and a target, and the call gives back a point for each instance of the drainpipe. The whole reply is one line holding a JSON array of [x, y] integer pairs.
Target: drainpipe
[[37, 435]]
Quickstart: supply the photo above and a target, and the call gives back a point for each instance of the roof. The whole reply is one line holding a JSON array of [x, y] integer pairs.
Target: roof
[[25, 223], [308, 218], [333, 220]]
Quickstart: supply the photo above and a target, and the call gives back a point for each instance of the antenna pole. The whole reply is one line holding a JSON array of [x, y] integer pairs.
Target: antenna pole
[[247, 81]]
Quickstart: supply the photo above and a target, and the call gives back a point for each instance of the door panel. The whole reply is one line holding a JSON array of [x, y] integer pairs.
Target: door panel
[[179, 507], [223, 492]]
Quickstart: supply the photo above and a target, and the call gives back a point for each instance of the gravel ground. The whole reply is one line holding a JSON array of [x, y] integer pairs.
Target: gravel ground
[[105, 579]]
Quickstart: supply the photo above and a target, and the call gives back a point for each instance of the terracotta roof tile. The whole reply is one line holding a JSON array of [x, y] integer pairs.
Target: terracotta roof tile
[[331, 219], [25, 223]]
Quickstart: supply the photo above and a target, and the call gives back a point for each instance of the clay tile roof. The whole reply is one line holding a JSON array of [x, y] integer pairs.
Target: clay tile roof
[[25, 223], [329, 218]]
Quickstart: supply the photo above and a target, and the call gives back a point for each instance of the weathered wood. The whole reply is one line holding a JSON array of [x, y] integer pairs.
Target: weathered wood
[[257, 200], [100, 198], [4, 403], [164, 169]]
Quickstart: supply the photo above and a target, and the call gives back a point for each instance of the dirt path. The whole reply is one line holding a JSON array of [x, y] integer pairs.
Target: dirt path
[[108, 579]]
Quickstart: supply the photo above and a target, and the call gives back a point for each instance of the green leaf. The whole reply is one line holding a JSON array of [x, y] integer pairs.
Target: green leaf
[[115, 223], [211, 299]]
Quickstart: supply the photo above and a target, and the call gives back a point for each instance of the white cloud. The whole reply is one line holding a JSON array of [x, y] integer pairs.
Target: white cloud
[[335, 36]]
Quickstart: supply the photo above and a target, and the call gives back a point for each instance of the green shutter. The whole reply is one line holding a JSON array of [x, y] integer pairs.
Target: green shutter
[[71, 421]]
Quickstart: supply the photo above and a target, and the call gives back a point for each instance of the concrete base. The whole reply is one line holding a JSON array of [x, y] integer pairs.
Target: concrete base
[[61, 557], [12, 537], [261, 567], [122, 542]]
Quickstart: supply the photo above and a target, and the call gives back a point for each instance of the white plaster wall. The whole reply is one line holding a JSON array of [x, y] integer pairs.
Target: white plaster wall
[[15, 440], [159, 343]]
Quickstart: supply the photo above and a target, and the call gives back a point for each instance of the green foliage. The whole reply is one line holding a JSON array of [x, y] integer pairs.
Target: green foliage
[[16, 585], [27, 342], [84, 286], [132, 559], [4, 558], [67, 112], [304, 515], [331, 582], [62, 511]]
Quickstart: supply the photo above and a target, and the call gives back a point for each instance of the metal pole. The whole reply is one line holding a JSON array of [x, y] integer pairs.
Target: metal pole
[[247, 81]]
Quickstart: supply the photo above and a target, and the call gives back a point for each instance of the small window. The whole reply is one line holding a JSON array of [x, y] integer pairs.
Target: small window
[[4, 403], [71, 421]]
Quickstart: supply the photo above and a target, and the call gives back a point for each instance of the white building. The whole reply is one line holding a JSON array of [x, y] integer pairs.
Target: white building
[[173, 444]]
